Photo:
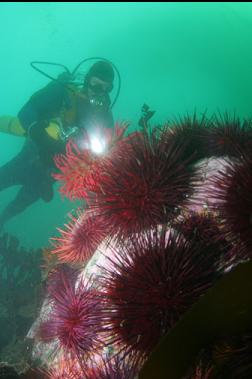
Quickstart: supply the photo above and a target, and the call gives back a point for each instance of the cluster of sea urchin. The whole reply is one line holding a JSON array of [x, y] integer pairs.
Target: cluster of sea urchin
[[155, 272]]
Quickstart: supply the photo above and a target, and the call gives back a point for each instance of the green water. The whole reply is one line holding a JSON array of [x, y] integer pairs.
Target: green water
[[176, 57]]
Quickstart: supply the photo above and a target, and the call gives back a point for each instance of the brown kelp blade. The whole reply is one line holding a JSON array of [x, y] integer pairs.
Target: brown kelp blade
[[225, 310]]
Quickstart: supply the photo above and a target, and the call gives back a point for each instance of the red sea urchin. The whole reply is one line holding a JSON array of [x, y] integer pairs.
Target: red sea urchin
[[115, 367], [142, 184], [64, 369], [70, 321], [74, 169], [202, 371], [76, 165], [232, 190], [191, 132], [203, 228], [80, 239], [233, 357], [148, 283], [229, 136]]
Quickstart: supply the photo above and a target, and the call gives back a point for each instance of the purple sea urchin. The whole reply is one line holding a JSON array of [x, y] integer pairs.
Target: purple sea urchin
[[150, 281], [232, 190], [71, 321]]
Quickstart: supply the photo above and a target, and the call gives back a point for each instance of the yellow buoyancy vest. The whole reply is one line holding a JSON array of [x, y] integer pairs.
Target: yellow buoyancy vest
[[12, 125]]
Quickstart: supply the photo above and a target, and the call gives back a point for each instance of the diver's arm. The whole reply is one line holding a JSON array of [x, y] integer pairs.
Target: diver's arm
[[42, 106], [35, 117]]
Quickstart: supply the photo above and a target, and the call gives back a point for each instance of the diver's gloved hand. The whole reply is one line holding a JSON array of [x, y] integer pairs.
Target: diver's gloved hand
[[47, 146]]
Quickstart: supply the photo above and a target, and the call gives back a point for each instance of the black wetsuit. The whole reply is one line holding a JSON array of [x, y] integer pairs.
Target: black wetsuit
[[28, 168]]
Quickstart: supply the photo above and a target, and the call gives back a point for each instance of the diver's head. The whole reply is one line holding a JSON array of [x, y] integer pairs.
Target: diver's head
[[99, 79]]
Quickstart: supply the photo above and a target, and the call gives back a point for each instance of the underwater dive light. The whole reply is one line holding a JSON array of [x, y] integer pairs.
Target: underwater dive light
[[97, 145]]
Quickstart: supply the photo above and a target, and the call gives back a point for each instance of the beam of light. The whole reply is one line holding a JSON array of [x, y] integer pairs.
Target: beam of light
[[97, 145]]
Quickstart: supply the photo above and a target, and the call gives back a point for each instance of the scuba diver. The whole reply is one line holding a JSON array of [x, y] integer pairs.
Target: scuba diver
[[51, 116]]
